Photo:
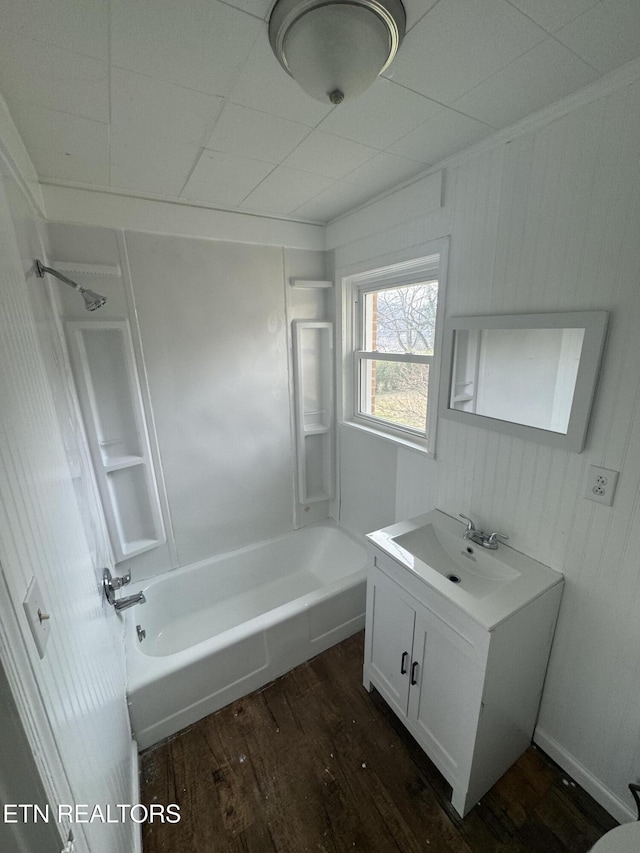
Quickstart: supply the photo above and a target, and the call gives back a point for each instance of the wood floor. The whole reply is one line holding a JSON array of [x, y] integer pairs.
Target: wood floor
[[314, 763]]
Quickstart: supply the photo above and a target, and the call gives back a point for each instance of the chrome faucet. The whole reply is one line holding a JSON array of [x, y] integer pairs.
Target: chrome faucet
[[487, 540], [110, 584], [130, 600]]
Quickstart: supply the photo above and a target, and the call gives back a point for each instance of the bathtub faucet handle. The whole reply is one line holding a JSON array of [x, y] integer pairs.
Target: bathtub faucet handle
[[119, 582], [111, 584]]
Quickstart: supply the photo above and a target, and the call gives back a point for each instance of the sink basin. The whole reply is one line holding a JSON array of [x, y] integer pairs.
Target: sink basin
[[487, 584], [478, 571]]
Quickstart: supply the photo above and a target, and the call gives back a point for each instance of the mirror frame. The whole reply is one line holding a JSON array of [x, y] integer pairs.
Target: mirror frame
[[595, 325]]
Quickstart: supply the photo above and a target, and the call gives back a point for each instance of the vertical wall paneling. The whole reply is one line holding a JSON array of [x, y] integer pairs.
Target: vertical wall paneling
[[73, 701], [546, 222]]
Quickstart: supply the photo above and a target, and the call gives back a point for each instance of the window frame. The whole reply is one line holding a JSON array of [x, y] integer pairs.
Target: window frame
[[429, 265]]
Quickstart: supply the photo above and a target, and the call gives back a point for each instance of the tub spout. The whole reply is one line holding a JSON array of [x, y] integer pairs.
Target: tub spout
[[111, 584], [129, 601]]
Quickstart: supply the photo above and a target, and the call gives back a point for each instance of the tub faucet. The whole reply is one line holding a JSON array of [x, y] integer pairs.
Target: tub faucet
[[129, 601], [110, 584], [487, 540]]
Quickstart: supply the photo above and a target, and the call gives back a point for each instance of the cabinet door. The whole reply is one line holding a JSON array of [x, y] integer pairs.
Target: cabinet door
[[446, 690], [390, 624]]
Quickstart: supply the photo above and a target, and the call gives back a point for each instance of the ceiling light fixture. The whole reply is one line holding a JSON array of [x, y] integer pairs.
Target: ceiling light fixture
[[335, 49]]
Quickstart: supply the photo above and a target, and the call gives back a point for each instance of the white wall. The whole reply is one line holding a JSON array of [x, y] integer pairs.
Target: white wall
[[72, 702], [212, 322], [546, 222], [518, 374], [106, 248]]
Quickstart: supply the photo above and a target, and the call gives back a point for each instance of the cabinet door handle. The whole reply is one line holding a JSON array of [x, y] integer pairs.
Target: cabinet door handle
[[403, 663], [414, 672]]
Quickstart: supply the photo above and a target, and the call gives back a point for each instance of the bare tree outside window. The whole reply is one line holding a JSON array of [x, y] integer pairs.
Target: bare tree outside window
[[397, 322]]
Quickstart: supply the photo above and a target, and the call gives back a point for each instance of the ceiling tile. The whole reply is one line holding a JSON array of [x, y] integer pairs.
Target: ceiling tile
[[259, 8], [63, 146], [251, 133], [198, 44], [43, 74], [265, 85], [270, 147], [416, 9], [332, 202], [78, 27], [148, 162], [606, 36], [154, 106], [380, 116], [285, 189], [89, 167], [553, 14], [328, 155], [224, 179], [440, 137], [544, 74], [458, 44], [384, 171]]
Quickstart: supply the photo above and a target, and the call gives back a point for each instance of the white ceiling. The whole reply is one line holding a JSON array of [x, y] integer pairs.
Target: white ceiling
[[184, 99]]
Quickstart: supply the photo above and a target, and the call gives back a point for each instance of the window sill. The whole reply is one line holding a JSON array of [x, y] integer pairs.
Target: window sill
[[400, 441]]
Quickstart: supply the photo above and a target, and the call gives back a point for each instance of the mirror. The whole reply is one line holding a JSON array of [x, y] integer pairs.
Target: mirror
[[528, 375]]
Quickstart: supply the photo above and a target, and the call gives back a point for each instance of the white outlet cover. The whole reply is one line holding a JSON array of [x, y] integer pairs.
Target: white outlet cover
[[601, 485], [34, 607]]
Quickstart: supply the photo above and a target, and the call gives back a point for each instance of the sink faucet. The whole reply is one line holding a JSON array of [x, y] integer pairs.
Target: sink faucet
[[487, 540]]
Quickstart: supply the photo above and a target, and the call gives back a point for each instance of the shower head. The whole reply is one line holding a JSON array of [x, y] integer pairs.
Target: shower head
[[91, 300]]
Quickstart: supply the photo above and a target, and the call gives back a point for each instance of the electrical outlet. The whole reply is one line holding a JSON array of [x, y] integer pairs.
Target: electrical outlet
[[601, 485]]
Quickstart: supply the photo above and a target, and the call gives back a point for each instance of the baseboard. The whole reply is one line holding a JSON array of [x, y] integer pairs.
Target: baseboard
[[592, 785], [136, 828]]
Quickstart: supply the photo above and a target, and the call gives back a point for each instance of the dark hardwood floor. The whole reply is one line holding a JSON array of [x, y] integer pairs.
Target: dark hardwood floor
[[314, 763]]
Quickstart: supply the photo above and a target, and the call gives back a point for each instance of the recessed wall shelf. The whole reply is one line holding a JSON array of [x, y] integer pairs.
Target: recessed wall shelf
[[117, 464], [111, 403], [88, 269], [313, 372], [309, 283]]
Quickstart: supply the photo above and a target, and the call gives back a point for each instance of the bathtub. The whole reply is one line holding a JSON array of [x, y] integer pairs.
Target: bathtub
[[221, 628]]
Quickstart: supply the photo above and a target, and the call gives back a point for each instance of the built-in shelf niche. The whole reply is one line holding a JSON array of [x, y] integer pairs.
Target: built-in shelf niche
[[309, 283], [111, 403], [87, 269], [313, 363], [465, 373]]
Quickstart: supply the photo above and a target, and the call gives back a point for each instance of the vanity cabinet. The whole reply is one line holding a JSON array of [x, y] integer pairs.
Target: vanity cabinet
[[469, 696]]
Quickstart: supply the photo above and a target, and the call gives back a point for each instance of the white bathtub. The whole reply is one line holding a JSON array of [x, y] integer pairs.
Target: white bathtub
[[219, 629]]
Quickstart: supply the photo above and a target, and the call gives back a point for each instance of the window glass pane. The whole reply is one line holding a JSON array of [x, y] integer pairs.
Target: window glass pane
[[395, 392], [401, 319]]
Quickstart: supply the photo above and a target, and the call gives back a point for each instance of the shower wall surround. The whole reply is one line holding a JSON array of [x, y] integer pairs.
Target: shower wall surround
[[546, 222], [210, 321]]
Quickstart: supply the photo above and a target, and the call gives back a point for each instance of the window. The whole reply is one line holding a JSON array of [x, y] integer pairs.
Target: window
[[395, 349]]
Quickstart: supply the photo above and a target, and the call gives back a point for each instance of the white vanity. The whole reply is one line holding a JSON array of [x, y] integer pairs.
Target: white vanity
[[457, 642]]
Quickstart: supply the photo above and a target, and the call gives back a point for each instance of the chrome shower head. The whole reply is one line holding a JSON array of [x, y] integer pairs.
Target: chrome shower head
[[91, 300]]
